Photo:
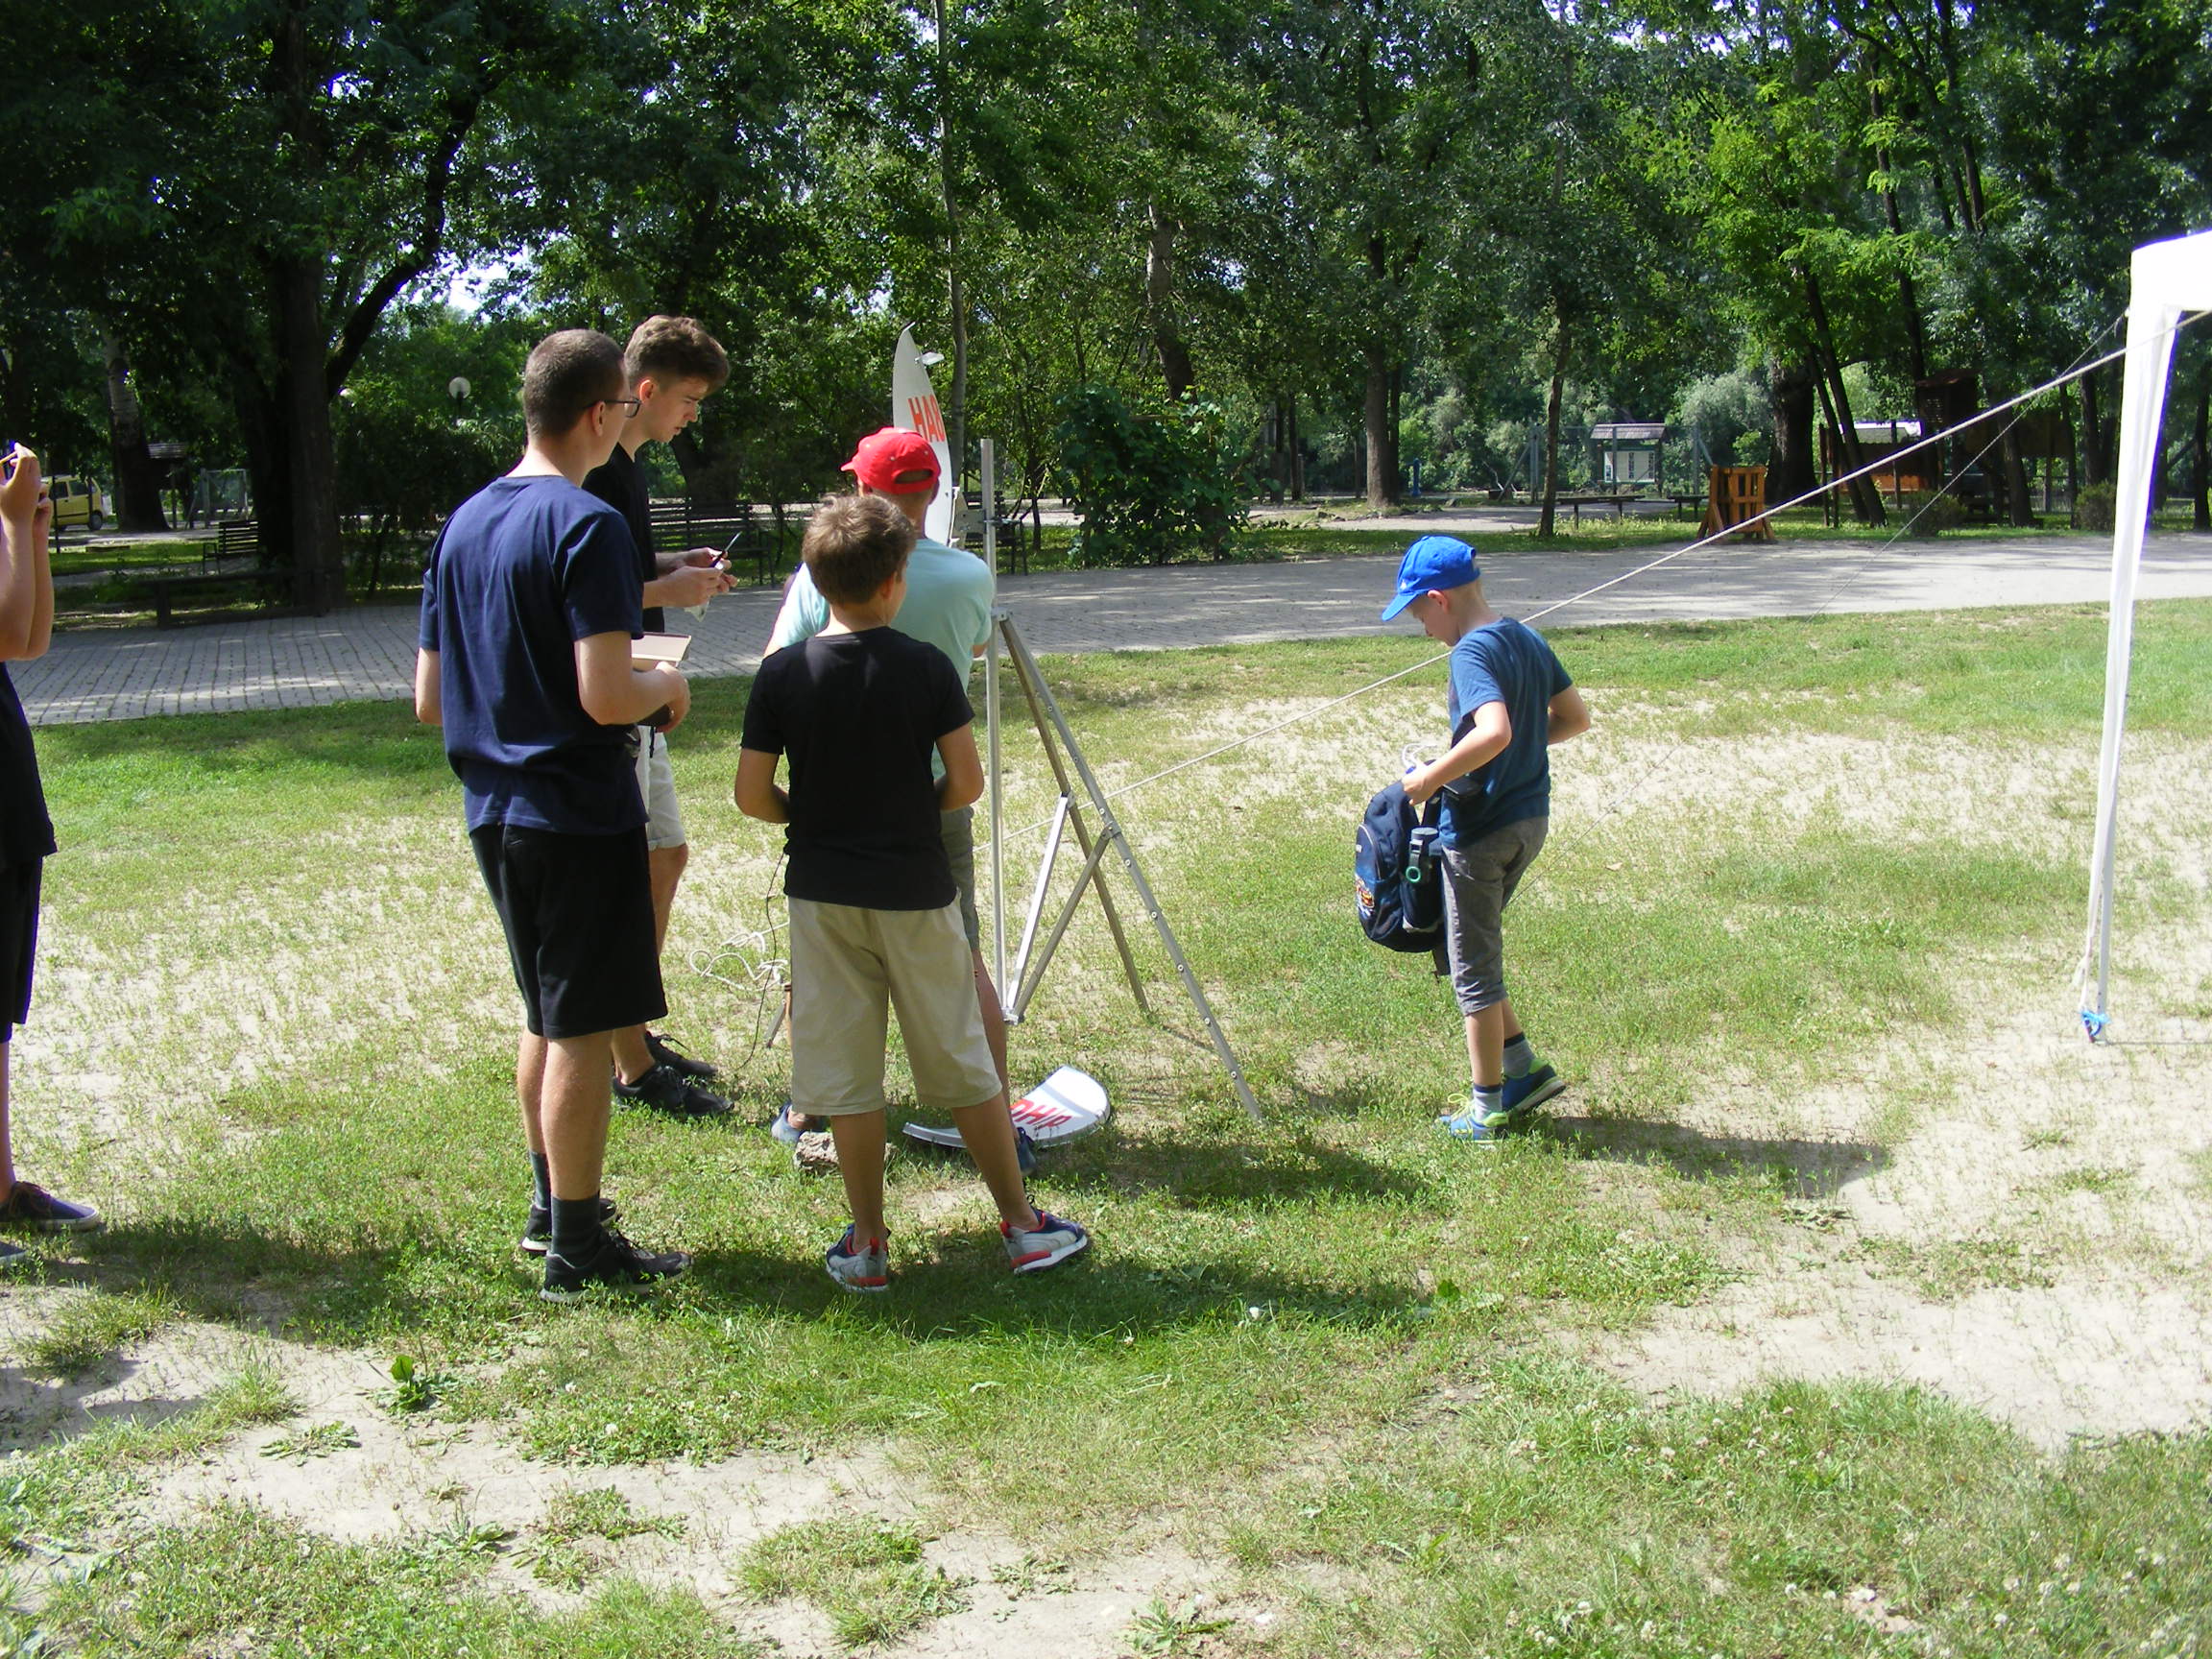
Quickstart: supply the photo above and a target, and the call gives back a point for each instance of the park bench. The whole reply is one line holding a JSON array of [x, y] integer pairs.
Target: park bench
[[268, 591], [1619, 500], [735, 527]]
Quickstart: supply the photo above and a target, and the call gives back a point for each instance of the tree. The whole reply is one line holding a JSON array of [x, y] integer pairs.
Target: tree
[[269, 177]]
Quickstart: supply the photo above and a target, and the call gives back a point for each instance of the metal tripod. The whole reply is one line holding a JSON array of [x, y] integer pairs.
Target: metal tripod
[[1065, 757]]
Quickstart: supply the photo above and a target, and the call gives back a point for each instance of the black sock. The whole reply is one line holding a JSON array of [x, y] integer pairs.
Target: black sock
[[541, 1182], [575, 1225]]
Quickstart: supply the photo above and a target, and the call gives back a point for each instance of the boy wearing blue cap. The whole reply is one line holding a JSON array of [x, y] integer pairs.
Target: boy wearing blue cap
[[1509, 700]]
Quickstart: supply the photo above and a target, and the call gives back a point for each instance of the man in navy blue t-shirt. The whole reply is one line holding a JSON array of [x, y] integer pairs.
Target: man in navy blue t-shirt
[[1510, 700], [529, 605]]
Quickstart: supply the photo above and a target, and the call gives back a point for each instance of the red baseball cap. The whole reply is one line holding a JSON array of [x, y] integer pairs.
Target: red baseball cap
[[890, 459]]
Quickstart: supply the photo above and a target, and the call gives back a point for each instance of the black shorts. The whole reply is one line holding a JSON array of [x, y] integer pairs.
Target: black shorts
[[578, 914], [18, 940]]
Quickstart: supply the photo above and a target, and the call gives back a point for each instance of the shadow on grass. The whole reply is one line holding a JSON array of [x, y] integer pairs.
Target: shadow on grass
[[1804, 1169]]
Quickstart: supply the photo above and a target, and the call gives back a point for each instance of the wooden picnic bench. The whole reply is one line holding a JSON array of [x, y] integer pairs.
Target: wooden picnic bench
[[1619, 500], [269, 588]]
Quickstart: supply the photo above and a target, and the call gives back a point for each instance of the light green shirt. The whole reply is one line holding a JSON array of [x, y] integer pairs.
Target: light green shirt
[[948, 604]]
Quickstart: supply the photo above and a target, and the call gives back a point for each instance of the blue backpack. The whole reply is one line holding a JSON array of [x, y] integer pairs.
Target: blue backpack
[[1396, 874]]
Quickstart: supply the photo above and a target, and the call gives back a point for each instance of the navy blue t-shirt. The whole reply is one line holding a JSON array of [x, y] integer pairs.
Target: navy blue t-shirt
[[524, 569], [1503, 662]]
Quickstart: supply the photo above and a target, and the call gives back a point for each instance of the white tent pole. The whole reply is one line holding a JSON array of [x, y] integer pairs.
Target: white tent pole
[[2166, 278]]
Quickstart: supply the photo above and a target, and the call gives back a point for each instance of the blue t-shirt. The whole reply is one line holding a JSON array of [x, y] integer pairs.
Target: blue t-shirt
[[1503, 662], [524, 569]]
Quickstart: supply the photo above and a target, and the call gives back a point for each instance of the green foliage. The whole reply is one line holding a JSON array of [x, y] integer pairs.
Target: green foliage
[[1153, 484]]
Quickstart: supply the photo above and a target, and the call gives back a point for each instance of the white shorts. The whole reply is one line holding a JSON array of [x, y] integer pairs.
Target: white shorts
[[849, 967], [657, 784]]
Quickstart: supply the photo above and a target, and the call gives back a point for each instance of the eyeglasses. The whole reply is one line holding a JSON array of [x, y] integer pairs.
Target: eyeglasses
[[628, 405]]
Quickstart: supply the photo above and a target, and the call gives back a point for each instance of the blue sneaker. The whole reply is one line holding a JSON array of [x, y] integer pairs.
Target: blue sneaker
[[783, 1128], [1473, 1124], [864, 1267], [1526, 1092], [1049, 1244]]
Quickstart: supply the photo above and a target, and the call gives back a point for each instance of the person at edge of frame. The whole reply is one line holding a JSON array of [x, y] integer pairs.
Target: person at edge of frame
[[26, 830]]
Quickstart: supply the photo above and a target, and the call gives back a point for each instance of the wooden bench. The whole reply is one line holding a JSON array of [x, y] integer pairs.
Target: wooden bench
[[1620, 501], [736, 529], [269, 588], [237, 539]]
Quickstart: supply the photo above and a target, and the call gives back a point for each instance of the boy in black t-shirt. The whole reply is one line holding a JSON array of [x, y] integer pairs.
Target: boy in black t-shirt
[[875, 914], [26, 832]]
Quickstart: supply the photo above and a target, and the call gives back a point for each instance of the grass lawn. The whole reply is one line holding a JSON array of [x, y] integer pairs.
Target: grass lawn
[[1377, 1392]]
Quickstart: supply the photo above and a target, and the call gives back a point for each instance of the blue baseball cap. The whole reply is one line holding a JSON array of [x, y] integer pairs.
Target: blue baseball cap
[[1432, 564]]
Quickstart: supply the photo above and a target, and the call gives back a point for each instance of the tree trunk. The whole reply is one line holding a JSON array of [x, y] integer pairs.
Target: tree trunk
[[1297, 455], [1789, 471], [1159, 305], [2200, 454], [1866, 499], [2019, 510], [2094, 471], [1381, 442], [138, 478], [311, 532], [1551, 513]]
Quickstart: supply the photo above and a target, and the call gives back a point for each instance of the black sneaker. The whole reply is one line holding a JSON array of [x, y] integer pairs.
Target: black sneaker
[[611, 1260], [537, 1231], [665, 1089], [30, 1204], [666, 1053], [13, 1256]]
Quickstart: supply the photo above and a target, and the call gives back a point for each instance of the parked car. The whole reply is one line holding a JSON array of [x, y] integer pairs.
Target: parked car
[[77, 501]]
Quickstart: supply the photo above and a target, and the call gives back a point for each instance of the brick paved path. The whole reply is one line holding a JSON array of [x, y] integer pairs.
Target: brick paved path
[[292, 662]]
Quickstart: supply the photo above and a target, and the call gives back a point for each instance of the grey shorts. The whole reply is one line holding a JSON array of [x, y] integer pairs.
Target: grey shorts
[[849, 968], [958, 828], [656, 785], [1478, 884]]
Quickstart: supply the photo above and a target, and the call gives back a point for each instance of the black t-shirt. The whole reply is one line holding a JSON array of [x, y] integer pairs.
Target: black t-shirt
[[860, 715], [621, 485], [26, 832]]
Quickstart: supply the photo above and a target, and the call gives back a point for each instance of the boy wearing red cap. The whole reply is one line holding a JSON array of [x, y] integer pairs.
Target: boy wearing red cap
[[1509, 699], [948, 605]]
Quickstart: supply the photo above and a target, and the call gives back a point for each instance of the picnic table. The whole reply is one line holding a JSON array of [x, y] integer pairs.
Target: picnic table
[[1619, 500]]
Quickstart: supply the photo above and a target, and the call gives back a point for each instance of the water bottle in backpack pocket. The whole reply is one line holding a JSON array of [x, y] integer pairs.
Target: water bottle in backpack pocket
[[1397, 873]]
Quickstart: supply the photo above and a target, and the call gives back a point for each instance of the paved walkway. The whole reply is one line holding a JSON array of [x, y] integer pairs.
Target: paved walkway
[[291, 662]]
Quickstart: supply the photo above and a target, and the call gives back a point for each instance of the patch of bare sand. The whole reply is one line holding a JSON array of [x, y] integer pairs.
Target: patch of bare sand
[[2037, 1240], [406, 1477]]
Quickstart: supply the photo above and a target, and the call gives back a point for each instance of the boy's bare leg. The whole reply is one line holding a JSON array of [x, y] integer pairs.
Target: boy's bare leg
[[859, 1140], [988, 1133], [1487, 1043], [993, 1021], [573, 1101], [530, 1088], [7, 1143], [664, 868]]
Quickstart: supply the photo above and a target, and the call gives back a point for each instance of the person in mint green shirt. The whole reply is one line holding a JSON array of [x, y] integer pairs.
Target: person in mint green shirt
[[948, 605]]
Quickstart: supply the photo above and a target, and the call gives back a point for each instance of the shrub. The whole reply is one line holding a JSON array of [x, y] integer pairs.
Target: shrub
[[1927, 513], [2094, 507], [1152, 484]]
